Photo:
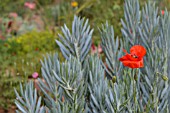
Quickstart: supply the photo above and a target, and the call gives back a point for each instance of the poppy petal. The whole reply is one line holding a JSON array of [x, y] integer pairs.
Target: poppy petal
[[133, 64], [125, 51], [138, 50], [124, 58], [129, 57]]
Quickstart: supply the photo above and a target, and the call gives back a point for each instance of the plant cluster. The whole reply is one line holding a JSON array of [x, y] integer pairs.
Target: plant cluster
[[20, 57], [84, 83], [7, 95], [29, 45]]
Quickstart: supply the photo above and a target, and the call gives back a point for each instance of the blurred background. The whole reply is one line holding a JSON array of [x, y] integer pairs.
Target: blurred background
[[28, 29]]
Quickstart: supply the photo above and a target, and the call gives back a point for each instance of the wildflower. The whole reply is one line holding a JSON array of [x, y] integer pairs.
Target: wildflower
[[135, 58], [2, 37], [10, 24], [95, 49], [30, 5], [35, 75], [13, 15], [36, 49], [100, 49], [163, 12], [74, 4]]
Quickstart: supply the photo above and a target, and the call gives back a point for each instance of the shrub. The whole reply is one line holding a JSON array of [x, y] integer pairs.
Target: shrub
[[25, 47], [84, 84], [31, 42]]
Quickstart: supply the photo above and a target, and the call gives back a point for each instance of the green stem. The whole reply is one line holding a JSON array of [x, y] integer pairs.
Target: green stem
[[135, 77]]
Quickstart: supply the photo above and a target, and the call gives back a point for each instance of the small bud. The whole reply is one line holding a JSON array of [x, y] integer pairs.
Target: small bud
[[164, 77], [114, 79], [157, 73]]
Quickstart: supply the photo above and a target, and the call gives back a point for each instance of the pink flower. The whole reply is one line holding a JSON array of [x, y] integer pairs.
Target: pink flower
[[35, 75], [95, 49], [163, 12], [2, 37], [30, 5], [13, 14], [100, 49]]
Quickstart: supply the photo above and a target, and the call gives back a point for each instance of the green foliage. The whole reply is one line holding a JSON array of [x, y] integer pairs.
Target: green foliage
[[18, 60], [15, 6], [7, 95], [8, 6], [112, 13], [59, 13], [32, 42], [25, 47]]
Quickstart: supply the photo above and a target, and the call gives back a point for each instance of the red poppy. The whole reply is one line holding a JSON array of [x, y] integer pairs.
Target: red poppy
[[135, 58]]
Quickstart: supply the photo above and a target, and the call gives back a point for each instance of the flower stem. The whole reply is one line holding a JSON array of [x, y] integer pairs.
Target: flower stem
[[135, 79]]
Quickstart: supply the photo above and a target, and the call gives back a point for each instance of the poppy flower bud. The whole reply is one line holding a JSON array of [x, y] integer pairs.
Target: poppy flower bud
[[157, 73], [164, 77], [114, 79]]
